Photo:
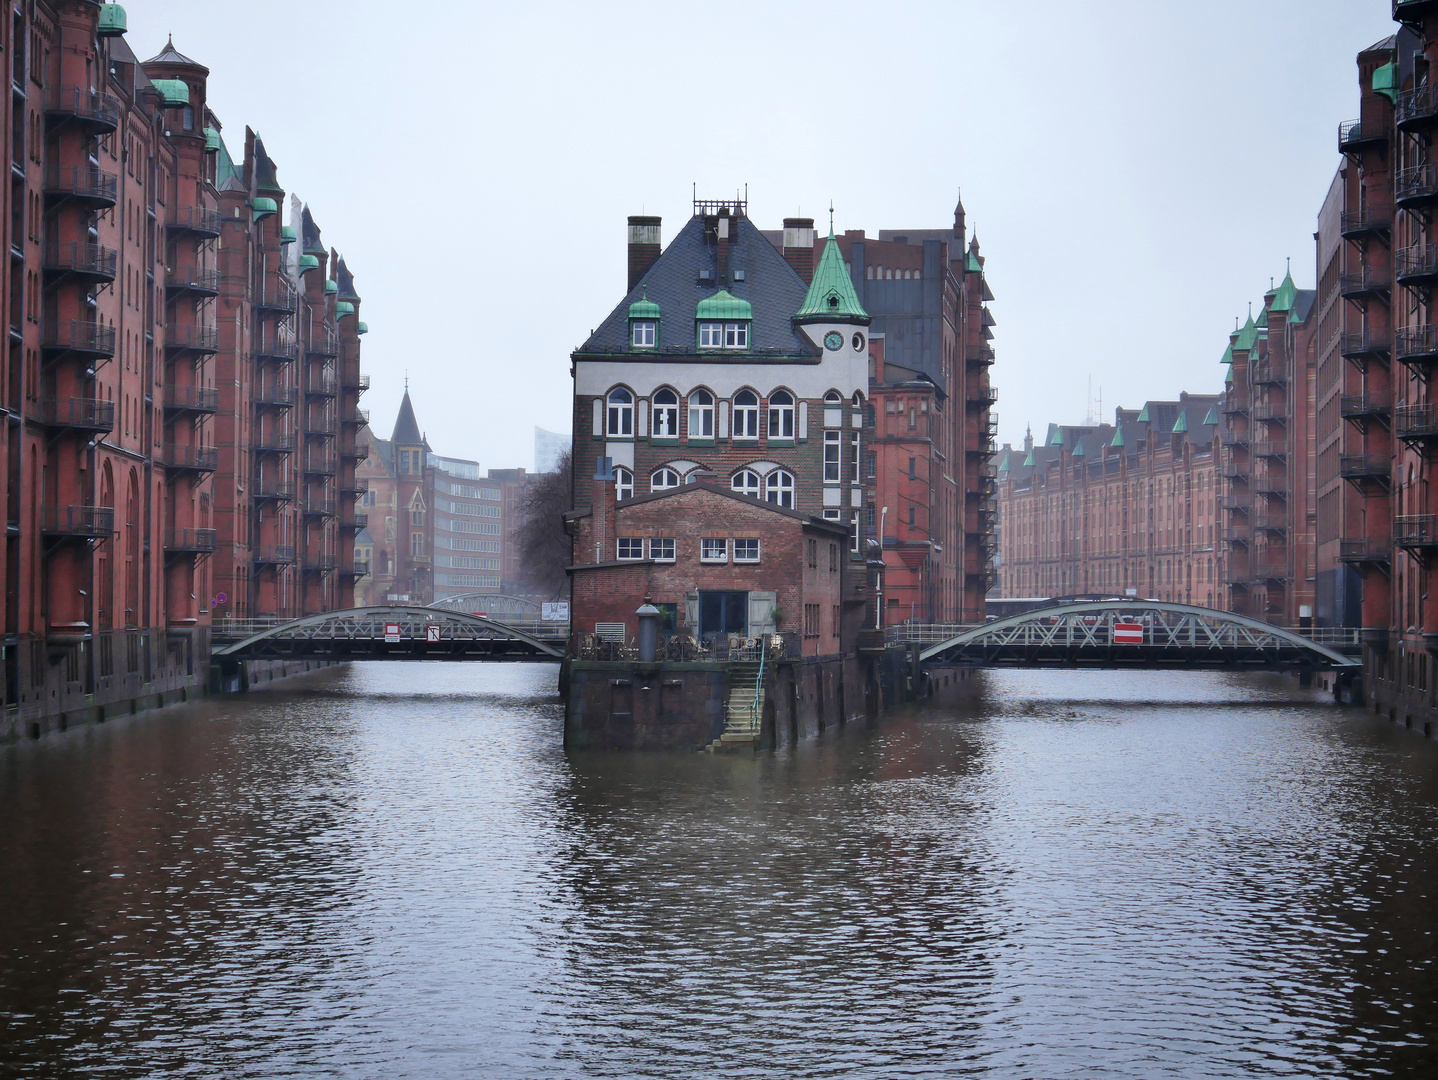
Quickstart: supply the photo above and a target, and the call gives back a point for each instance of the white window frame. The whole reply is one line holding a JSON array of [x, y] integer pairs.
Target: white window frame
[[708, 553], [736, 335], [665, 414], [779, 488], [746, 541], [711, 335], [701, 414], [855, 455], [739, 483], [832, 453], [746, 415], [623, 483], [658, 481], [629, 548], [619, 422], [661, 549], [781, 415], [643, 333]]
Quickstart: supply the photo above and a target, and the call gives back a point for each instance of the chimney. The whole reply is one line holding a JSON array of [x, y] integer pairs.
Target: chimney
[[724, 227], [799, 246], [643, 246]]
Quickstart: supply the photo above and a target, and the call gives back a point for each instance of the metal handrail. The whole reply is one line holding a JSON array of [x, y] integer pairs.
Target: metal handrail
[[82, 258], [84, 181]]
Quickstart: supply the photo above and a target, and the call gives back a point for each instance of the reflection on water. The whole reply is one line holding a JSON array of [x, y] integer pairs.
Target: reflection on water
[[394, 870]]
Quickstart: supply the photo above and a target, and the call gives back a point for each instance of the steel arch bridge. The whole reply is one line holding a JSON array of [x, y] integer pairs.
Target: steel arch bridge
[[392, 633], [1135, 634]]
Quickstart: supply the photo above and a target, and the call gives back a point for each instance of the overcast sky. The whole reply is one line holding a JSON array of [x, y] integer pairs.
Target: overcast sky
[[1136, 170]]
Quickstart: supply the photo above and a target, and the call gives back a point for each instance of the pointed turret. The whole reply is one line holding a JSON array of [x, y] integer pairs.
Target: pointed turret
[[1285, 295], [831, 296], [406, 427]]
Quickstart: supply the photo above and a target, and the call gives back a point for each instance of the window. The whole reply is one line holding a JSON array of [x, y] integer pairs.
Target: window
[[714, 550], [714, 335], [781, 415], [711, 335], [745, 482], [913, 474], [831, 457], [746, 550], [812, 547], [854, 534], [746, 415], [663, 480], [416, 517], [736, 335], [911, 517], [855, 457], [666, 414], [811, 620], [835, 621], [643, 334], [661, 549], [833, 558], [834, 398], [630, 548], [701, 415], [779, 488], [416, 543], [623, 483], [833, 515], [621, 413]]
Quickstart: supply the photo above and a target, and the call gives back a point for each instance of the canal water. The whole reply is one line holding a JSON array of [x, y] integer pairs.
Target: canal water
[[394, 870]]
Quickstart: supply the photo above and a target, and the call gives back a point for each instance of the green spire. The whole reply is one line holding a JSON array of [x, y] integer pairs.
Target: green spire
[[1056, 436], [1286, 296], [1030, 459], [1262, 322], [1182, 425], [1143, 416], [1004, 462], [831, 296], [1228, 379], [1227, 354], [1078, 450], [1117, 439], [1248, 336], [1212, 417]]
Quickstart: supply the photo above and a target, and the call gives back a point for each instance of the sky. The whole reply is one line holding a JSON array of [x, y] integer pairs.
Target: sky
[[1136, 171]]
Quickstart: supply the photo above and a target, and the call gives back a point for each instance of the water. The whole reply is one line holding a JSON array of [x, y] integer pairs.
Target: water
[[396, 871]]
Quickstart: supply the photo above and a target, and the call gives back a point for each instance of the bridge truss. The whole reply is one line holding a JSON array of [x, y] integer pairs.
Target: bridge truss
[[392, 633], [1134, 634]]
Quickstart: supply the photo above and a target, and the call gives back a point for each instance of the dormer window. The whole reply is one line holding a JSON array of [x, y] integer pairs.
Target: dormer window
[[734, 335], [642, 333], [644, 323], [723, 321]]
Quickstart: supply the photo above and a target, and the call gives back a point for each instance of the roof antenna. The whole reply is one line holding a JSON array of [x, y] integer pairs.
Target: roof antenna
[[831, 217]]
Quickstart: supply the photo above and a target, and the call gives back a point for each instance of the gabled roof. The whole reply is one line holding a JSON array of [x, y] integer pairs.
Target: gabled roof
[[1285, 295], [709, 487], [266, 176], [227, 177], [171, 55], [1248, 336], [831, 296], [406, 427], [772, 287]]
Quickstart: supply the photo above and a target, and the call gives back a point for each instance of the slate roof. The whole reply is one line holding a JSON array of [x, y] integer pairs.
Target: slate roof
[[709, 487], [406, 427], [310, 232], [770, 285], [346, 281], [266, 175], [171, 55]]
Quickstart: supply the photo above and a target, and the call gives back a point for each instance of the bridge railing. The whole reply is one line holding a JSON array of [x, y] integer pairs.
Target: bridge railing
[[925, 633]]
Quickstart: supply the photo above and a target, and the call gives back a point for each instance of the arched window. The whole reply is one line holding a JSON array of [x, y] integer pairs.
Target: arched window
[[623, 483], [779, 488], [666, 414], [745, 482], [663, 480], [833, 397], [746, 415], [701, 415], [781, 415], [621, 413]]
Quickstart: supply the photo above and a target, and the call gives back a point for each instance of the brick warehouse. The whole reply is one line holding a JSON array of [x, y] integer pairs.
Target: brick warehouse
[[116, 466]]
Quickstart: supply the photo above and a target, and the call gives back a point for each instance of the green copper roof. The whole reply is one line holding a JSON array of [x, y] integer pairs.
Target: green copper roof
[[1030, 459], [1262, 322], [1248, 336], [264, 207], [1004, 462], [212, 141], [831, 295], [1227, 354], [1143, 416], [308, 262], [225, 171], [1385, 81], [722, 305], [112, 21], [1117, 439], [1212, 417], [971, 264], [1078, 450], [644, 308], [1182, 425], [174, 91], [288, 234], [1286, 296], [361, 328], [1057, 438], [1228, 379], [343, 308], [331, 287]]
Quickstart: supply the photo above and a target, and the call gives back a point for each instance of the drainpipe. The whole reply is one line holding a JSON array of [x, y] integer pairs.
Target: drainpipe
[[879, 605]]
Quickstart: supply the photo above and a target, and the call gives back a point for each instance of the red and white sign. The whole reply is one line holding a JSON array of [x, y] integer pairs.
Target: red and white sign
[[1128, 633], [391, 633], [431, 633]]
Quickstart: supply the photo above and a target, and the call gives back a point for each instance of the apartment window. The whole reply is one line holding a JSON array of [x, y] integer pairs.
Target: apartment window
[[661, 549], [779, 488], [835, 620], [913, 470], [701, 415], [663, 480], [714, 550], [833, 558], [623, 483], [854, 534], [781, 415], [736, 335], [812, 547], [416, 517], [745, 482], [621, 413], [629, 548], [911, 517], [666, 414], [746, 415], [854, 456], [416, 543], [833, 515], [746, 551], [643, 334], [711, 335], [831, 457], [811, 620]]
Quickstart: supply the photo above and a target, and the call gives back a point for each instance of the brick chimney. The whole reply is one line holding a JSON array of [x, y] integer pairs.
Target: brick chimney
[[643, 246], [724, 230], [799, 246]]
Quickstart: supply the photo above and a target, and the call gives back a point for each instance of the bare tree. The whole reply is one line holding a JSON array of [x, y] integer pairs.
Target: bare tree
[[544, 546]]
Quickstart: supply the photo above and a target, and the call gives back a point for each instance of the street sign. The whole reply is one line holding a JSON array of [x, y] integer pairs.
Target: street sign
[[431, 633], [1128, 633], [556, 611], [391, 633]]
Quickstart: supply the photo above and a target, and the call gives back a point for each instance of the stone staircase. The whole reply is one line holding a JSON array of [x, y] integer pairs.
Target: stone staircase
[[745, 710]]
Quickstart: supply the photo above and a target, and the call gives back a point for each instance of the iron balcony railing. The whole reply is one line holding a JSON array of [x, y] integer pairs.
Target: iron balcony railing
[[985, 396], [1268, 570], [1411, 11], [1362, 406], [316, 507], [83, 182], [93, 522], [356, 450], [276, 442], [1354, 224], [196, 338], [354, 485], [1271, 522], [1270, 448], [1233, 405], [278, 490], [1274, 486], [1415, 421], [321, 425], [194, 219], [1416, 106], [82, 414], [324, 343], [321, 386], [201, 399], [1365, 282], [197, 541], [1416, 184], [1416, 530], [320, 564], [1230, 471], [76, 335], [281, 396], [1268, 412], [1233, 438], [361, 568], [1365, 550], [1268, 374], [276, 347], [273, 555], [1418, 262], [90, 260], [1416, 344], [98, 111], [1235, 535], [191, 458], [1365, 343], [1364, 467], [201, 279], [358, 417], [277, 294], [321, 464], [352, 519], [1353, 134]]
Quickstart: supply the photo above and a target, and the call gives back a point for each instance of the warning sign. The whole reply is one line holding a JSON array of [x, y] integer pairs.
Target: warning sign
[[431, 633], [391, 633], [1128, 633]]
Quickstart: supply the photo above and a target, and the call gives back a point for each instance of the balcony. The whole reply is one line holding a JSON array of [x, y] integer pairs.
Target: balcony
[[78, 414], [321, 464], [1237, 576], [984, 397], [1366, 345], [194, 219], [316, 507], [361, 569], [93, 262], [1265, 373], [97, 113], [204, 339], [321, 425], [193, 279], [982, 355], [1235, 502], [349, 519], [277, 296], [354, 451], [1415, 422], [1365, 406], [1268, 571], [1415, 108], [321, 386], [1271, 523], [324, 343], [1231, 471], [320, 564], [1274, 487], [85, 184], [276, 347], [1365, 467], [1271, 448], [354, 485], [1416, 346], [1365, 551], [1238, 536], [195, 459], [276, 396], [1416, 186], [1233, 438], [1415, 532], [79, 522], [1366, 284], [1416, 266], [273, 555], [1233, 405], [272, 491], [276, 442], [75, 336], [195, 399], [358, 418], [191, 541], [1362, 224], [1412, 12]]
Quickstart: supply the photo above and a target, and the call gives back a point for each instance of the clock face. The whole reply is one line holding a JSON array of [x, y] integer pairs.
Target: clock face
[[858, 342], [833, 340]]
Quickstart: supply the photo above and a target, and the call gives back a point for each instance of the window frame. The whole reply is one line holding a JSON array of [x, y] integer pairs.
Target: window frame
[[646, 327], [704, 412], [747, 541], [781, 415], [758, 486], [667, 548], [619, 413], [623, 483], [778, 484], [707, 552], [833, 456], [746, 416], [669, 409], [654, 476], [711, 335], [625, 549]]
